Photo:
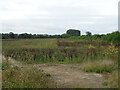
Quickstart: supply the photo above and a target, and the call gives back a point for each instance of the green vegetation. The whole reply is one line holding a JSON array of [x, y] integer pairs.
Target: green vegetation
[[94, 53], [73, 32], [99, 66], [99, 69], [5, 65], [11, 35], [57, 50], [88, 33], [112, 80], [113, 37], [22, 77]]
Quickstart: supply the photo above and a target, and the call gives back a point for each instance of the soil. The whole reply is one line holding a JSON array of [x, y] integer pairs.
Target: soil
[[65, 75]]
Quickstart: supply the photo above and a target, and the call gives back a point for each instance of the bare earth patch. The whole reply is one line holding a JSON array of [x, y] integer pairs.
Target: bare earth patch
[[67, 76]]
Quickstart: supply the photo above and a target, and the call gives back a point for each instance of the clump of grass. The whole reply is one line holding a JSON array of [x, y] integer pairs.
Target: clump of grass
[[16, 77], [112, 80], [99, 69], [98, 66], [5, 64], [48, 75], [23, 78], [62, 62]]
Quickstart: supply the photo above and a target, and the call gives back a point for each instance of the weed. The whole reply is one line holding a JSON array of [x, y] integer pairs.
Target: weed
[[17, 77]]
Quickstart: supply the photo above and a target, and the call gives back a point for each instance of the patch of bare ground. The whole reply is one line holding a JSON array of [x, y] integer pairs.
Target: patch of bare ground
[[65, 75]]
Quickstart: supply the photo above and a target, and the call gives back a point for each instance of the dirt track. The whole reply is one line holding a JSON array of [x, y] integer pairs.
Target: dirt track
[[66, 76]]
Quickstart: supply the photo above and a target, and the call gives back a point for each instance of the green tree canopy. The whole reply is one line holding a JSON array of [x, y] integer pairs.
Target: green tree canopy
[[88, 33], [73, 32]]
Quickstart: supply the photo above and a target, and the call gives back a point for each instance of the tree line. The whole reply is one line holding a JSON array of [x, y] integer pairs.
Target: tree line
[[113, 37], [11, 35]]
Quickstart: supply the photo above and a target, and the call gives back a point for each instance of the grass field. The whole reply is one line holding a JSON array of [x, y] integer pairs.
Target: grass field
[[93, 56], [55, 50]]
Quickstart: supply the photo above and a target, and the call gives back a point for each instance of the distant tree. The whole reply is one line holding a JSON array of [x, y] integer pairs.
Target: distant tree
[[25, 35], [0, 35], [5, 36], [113, 37], [88, 33], [96, 36], [55, 36], [73, 32], [65, 35], [16, 35], [11, 35]]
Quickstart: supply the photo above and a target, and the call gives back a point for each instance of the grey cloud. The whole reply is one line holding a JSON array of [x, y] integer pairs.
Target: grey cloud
[[59, 18]]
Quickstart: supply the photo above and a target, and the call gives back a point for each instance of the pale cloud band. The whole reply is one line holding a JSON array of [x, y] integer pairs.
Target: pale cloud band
[[56, 16]]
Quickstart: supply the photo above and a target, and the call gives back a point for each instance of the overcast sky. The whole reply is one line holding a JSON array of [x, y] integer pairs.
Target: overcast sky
[[57, 16]]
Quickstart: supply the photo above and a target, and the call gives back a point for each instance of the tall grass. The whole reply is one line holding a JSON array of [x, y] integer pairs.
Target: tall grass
[[99, 66], [28, 43], [52, 54], [93, 56], [25, 77], [112, 80], [51, 50]]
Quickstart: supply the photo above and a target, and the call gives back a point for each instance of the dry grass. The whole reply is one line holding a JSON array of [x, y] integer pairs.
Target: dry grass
[[24, 77], [98, 66], [55, 50], [96, 63], [112, 80]]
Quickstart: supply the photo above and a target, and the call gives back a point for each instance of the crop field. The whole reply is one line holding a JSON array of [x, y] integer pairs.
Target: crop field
[[92, 56]]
